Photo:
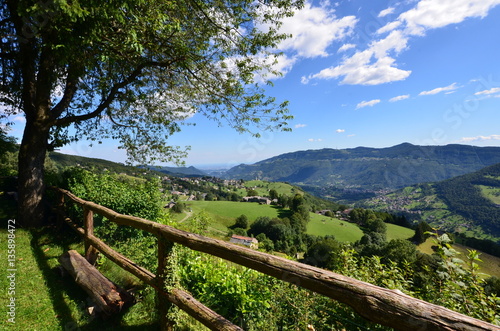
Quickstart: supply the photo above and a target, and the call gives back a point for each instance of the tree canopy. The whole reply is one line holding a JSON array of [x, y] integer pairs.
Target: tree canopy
[[132, 71]]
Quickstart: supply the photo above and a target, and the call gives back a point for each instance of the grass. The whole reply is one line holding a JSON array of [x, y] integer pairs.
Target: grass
[[490, 264], [398, 232], [263, 188], [45, 300], [341, 230], [224, 213], [491, 193]]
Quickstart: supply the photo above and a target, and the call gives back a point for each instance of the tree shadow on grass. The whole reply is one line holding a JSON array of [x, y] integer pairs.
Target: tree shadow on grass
[[282, 212], [60, 287]]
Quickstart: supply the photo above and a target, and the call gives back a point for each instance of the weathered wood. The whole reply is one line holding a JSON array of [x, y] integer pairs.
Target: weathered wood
[[164, 281], [90, 252], [380, 305], [108, 298], [180, 298]]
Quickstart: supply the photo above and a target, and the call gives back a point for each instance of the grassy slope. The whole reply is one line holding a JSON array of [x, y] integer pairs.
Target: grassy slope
[[47, 301], [342, 231], [491, 193], [224, 214], [490, 264]]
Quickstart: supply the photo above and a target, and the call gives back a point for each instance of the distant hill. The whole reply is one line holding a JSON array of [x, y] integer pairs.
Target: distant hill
[[468, 204], [66, 160], [370, 168], [179, 171]]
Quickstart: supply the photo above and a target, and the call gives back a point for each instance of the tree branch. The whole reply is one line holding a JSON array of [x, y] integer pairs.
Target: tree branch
[[69, 92], [112, 93]]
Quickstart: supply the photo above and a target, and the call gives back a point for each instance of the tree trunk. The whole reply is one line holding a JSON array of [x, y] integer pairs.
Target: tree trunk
[[31, 186]]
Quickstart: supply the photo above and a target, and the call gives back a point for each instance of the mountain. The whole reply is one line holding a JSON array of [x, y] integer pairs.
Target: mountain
[[468, 203], [370, 168], [179, 171]]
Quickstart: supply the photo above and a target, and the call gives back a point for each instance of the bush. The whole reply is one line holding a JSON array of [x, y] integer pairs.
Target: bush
[[141, 198]]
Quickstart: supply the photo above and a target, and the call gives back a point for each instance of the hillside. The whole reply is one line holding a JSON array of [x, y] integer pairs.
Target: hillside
[[466, 204], [66, 160], [178, 171], [371, 169]]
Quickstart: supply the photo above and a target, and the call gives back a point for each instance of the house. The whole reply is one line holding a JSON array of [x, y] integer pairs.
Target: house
[[171, 204], [247, 241], [261, 200]]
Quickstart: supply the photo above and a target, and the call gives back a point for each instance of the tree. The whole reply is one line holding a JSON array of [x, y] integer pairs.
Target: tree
[[8, 162], [325, 253], [252, 193], [132, 71], [241, 222], [273, 194]]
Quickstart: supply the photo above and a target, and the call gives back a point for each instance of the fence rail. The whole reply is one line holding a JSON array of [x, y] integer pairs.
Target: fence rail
[[384, 306]]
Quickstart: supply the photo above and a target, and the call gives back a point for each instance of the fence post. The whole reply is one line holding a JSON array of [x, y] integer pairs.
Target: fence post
[[166, 279], [60, 210], [90, 251]]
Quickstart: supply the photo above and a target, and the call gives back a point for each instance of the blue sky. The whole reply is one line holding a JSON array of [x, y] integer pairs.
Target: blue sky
[[367, 73]]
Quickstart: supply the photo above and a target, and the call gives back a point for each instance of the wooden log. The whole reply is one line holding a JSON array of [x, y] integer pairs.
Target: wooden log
[[107, 296], [180, 298]]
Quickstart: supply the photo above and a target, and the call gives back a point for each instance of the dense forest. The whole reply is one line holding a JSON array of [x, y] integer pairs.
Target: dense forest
[[463, 196]]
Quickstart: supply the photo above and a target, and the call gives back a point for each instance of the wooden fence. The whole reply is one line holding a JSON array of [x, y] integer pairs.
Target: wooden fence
[[384, 306]]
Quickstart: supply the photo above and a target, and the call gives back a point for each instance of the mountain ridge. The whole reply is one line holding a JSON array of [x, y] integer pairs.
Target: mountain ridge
[[370, 168]]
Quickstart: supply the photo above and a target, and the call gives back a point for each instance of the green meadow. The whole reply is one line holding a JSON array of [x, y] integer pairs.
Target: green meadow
[[224, 213]]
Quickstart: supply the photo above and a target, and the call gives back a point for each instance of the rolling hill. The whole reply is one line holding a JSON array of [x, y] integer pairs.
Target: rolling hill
[[370, 168], [65, 160], [466, 204]]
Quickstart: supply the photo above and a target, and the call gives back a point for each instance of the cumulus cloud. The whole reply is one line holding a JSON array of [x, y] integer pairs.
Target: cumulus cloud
[[399, 97], [373, 66], [313, 30], [431, 14], [389, 27], [340, 130], [370, 103], [386, 12], [437, 90], [488, 92], [345, 47], [377, 63], [480, 138], [298, 126]]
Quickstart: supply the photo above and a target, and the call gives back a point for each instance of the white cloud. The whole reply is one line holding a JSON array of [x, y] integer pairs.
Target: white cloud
[[437, 90], [490, 91], [314, 140], [373, 66], [298, 126], [480, 138], [399, 97], [370, 103], [19, 119], [389, 27], [386, 12], [431, 14], [340, 130], [377, 63], [313, 30], [345, 47]]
